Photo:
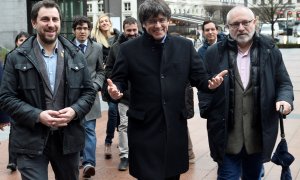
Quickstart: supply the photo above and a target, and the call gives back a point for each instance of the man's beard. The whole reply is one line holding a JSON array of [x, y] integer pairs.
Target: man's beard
[[46, 40]]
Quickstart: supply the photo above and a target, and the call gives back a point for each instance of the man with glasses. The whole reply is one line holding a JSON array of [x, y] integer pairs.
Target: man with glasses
[[242, 114], [158, 67], [93, 54]]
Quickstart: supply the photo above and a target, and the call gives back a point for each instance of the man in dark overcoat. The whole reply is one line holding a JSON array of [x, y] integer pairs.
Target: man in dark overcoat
[[242, 114], [158, 67]]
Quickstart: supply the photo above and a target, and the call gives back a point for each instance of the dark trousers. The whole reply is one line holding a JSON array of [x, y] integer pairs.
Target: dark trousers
[[242, 165], [177, 177], [12, 156], [35, 167], [113, 118]]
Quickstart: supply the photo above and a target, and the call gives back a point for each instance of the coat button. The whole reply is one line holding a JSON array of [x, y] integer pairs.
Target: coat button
[[162, 76]]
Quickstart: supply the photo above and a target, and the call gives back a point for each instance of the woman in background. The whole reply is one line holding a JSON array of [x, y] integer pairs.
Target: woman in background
[[104, 33]]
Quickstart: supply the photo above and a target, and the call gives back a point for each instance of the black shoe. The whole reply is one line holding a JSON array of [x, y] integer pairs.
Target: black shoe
[[88, 171], [12, 167], [123, 164], [107, 151]]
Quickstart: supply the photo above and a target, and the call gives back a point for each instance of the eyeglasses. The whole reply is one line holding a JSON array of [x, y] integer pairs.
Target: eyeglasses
[[236, 25], [82, 28], [155, 21]]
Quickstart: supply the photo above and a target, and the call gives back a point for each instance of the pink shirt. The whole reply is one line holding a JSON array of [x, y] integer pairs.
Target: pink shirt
[[243, 64]]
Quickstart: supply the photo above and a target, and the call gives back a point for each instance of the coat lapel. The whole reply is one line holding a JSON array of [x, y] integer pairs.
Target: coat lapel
[[41, 64], [59, 66]]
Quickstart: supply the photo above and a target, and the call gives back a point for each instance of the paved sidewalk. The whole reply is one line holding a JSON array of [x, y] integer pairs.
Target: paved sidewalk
[[204, 168]]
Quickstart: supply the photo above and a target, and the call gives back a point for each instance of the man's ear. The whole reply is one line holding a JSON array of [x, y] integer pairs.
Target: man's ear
[[33, 23]]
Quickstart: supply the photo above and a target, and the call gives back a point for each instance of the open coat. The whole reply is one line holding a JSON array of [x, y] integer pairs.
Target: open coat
[[157, 115], [271, 83]]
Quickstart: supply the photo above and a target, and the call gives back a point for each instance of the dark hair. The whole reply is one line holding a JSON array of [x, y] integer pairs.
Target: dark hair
[[129, 20], [79, 20], [207, 22], [152, 8], [45, 3], [21, 34]]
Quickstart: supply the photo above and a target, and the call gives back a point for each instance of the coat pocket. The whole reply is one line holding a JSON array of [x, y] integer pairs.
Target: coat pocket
[[134, 114]]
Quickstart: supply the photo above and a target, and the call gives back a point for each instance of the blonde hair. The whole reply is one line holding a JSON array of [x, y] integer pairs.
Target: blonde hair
[[102, 37]]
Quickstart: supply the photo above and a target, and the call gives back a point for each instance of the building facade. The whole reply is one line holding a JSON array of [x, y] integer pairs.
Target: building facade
[[15, 17]]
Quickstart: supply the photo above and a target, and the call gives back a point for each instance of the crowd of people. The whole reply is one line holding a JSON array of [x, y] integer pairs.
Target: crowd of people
[[50, 89]]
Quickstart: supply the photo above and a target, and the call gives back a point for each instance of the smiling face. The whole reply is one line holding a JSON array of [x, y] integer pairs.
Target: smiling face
[[131, 31], [104, 24], [210, 32], [47, 25], [157, 27]]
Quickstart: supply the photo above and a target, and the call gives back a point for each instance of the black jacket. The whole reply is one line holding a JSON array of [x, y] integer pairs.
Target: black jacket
[[22, 97], [270, 81]]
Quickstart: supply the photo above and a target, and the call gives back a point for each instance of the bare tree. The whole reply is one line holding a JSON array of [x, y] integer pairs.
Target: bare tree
[[211, 10], [267, 11], [224, 11]]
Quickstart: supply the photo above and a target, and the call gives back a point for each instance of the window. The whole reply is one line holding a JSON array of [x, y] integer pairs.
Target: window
[[89, 7], [100, 7], [127, 6]]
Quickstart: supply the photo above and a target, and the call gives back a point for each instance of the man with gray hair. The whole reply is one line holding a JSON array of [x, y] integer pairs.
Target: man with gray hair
[[242, 114]]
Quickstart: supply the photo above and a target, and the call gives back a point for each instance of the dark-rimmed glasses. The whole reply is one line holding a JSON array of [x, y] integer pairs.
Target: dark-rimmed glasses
[[236, 25]]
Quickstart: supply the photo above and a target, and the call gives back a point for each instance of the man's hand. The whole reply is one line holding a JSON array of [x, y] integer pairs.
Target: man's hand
[[2, 125], [287, 108], [50, 118], [217, 81], [113, 91]]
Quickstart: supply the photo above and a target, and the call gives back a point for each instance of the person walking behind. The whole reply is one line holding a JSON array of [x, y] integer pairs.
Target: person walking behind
[[12, 157], [130, 31], [4, 118], [104, 33], [157, 71], [47, 90], [211, 36], [242, 117], [93, 55]]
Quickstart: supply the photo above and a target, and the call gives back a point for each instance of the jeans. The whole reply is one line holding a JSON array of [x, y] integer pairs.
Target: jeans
[[240, 165], [123, 138], [89, 151], [113, 116]]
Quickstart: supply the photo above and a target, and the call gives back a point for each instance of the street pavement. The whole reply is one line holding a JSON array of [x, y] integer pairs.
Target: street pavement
[[204, 168]]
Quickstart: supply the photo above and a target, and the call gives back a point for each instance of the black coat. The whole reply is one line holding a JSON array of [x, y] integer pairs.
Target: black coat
[[270, 81], [22, 97], [4, 118], [157, 115]]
